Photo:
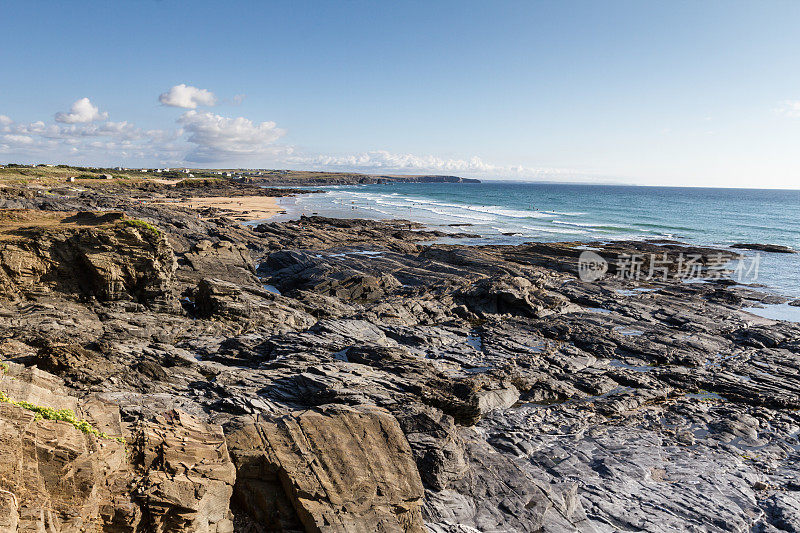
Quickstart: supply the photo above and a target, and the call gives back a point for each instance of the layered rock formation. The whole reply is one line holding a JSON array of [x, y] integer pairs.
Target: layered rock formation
[[54, 477], [104, 256], [72, 465], [340, 469], [344, 375]]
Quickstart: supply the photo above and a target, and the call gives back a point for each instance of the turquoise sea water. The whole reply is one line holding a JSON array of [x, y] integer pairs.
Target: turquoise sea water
[[560, 212]]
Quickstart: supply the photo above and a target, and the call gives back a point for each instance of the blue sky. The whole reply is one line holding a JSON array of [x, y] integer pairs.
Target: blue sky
[[671, 93]]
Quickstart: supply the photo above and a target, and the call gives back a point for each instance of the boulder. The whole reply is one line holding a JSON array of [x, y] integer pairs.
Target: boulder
[[435, 442], [468, 399], [216, 298], [512, 295], [223, 260], [332, 469], [360, 287]]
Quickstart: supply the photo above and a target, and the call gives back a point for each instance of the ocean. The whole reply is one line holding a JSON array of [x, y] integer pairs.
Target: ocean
[[513, 213]]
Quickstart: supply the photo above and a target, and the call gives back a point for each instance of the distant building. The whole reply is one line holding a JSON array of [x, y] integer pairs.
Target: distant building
[[107, 176]]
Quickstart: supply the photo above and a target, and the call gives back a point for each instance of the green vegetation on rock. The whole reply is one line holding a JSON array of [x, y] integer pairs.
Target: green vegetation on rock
[[141, 224], [62, 415]]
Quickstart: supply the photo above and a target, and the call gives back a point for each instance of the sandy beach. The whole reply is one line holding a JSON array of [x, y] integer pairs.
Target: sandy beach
[[239, 207]]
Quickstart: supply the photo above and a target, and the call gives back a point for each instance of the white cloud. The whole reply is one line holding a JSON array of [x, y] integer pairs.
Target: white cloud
[[219, 138], [187, 97], [82, 111], [204, 137], [18, 139], [84, 135], [121, 130], [93, 143], [790, 108]]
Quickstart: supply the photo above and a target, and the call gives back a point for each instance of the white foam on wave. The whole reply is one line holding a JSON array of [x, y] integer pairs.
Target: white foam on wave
[[489, 209], [560, 231], [576, 224], [405, 206], [404, 203], [424, 201], [505, 212], [392, 204], [590, 226], [467, 216], [460, 211]]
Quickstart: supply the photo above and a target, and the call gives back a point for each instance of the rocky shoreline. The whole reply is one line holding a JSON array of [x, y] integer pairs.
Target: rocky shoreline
[[354, 375]]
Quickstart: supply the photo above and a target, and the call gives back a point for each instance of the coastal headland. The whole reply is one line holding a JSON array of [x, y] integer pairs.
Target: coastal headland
[[167, 368]]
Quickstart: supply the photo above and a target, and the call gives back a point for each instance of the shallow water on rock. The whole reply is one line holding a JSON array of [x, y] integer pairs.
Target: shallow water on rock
[[272, 288], [776, 312], [634, 292], [628, 332], [636, 368], [705, 396], [598, 310], [474, 340]]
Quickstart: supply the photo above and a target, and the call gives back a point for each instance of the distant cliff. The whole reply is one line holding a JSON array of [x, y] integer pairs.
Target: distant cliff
[[306, 178], [426, 179]]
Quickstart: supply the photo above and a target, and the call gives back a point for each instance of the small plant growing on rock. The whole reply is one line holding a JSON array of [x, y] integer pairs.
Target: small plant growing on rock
[[141, 224], [62, 415]]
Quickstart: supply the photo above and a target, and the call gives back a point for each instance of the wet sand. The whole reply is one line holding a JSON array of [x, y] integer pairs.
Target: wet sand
[[238, 207]]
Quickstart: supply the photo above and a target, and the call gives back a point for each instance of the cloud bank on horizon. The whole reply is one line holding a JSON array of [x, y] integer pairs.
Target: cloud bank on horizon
[[383, 161], [86, 135]]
